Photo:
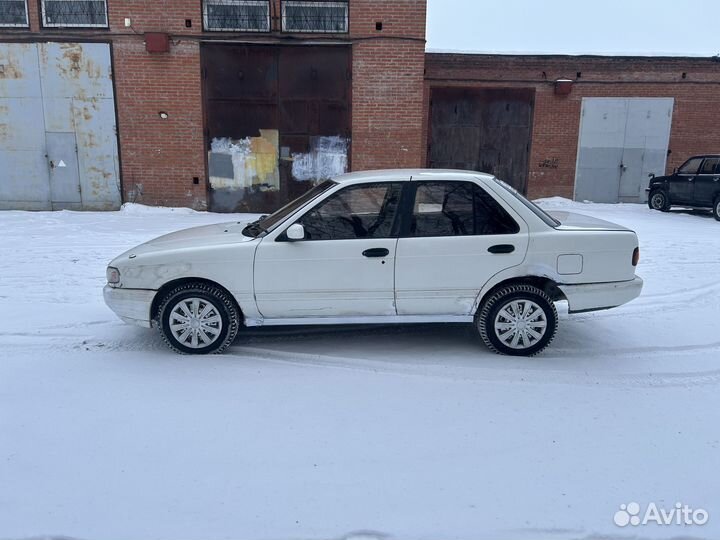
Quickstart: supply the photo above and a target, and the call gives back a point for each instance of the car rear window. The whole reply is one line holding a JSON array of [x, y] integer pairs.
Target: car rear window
[[534, 208]]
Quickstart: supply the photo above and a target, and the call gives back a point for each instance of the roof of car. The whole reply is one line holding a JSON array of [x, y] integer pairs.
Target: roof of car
[[706, 156], [404, 175]]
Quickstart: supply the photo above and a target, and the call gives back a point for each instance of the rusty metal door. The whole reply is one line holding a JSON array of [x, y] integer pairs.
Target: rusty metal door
[[57, 104], [486, 130], [64, 172], [277, 121]]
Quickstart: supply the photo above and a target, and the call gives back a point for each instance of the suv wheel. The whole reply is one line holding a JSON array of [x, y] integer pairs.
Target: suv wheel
[[716, 208], [658, 201], [517, 320], [198, 318]]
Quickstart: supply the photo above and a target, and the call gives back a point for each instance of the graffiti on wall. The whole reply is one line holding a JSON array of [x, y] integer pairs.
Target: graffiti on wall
[[328, 157], [245, 163]]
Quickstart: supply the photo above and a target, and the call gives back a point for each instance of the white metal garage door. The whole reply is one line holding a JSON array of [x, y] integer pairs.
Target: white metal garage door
[[622, 142], [58, 142]]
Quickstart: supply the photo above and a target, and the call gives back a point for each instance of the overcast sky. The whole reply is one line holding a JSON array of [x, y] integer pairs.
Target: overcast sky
[[689, 27]]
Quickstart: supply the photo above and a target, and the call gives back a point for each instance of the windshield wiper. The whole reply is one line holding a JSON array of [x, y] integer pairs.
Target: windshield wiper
[[254, 229]]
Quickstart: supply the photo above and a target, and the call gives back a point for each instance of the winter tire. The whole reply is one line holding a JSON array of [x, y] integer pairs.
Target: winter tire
[[517, 320], [658, 201], [198, 318]]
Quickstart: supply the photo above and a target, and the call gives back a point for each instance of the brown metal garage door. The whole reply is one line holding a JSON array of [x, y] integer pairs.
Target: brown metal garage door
[[487, 130], [277, 120]]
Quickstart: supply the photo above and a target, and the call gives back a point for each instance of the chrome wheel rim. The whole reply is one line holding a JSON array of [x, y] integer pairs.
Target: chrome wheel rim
[[658, 201], [520, 324], [195, 323]]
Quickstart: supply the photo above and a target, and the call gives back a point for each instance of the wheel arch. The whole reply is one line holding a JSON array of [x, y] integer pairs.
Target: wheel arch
[[170, 285], [545, 284]]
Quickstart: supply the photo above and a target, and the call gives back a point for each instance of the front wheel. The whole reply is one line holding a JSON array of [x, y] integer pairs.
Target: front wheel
[[716, 209], [517, 320], [198, 318], [658, 201]]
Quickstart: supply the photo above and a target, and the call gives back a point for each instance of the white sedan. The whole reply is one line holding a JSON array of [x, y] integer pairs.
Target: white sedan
[[399, 246]]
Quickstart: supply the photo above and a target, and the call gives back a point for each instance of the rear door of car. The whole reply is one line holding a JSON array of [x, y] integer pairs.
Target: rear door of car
[[682, 183], [454, 237], [707, 182]]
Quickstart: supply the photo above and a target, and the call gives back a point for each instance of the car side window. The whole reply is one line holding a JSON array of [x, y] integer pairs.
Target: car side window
[[709, 165], [691, 166], [457, 209], [360, 211]]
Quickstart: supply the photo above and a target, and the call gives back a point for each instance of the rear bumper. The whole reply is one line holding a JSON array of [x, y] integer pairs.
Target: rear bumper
[[131, 305], [596, 296]]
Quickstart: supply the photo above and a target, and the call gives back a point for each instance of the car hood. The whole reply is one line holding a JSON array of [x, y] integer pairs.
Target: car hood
[[570, 221], [195, 237]]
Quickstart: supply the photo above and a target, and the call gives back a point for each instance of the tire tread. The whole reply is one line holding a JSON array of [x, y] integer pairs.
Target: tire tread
[[214, 291], [482, 315]]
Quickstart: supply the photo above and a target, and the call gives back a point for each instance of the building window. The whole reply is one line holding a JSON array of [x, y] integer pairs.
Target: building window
[[237, 15], [13, 13], [328, 17], [75, 13]]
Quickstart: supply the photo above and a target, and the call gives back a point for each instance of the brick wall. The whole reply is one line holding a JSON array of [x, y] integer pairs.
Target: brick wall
[[556, 123], [388, 65]]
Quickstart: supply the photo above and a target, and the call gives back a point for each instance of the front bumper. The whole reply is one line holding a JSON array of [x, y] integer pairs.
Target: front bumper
[[597, 296], [131, 305]]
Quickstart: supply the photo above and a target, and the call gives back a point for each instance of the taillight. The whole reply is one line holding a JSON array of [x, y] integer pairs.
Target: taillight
[[636, 256]]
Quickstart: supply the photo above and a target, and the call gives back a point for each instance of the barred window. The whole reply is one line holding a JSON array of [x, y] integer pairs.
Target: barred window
[[237, 15], [13, 13], [78, 13], [319, 16]]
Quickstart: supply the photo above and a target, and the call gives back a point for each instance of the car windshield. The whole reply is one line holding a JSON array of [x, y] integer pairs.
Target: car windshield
[[691, 166], [534, 208], [266, 224]]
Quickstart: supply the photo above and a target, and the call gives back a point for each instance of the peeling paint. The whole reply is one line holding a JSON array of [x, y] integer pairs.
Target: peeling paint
[[326, 159], [254, 162]]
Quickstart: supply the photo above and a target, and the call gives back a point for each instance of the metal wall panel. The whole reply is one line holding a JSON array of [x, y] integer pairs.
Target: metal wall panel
[[51, 88], [487, 130], [622, 142], [277, 119]]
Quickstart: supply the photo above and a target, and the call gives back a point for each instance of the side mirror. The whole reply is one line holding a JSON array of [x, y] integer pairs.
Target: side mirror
[[675, 170], [295, 232]]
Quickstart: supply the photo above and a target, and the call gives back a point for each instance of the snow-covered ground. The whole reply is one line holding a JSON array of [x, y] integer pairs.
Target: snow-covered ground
[[406, 433]]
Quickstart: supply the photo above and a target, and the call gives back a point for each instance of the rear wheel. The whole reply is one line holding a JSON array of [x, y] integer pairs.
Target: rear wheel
[[198, 318], [716, 208], [658, 201], [517, 320]]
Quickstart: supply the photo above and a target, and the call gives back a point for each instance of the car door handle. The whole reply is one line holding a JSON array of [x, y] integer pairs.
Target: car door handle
[[376, 252], [502, 248]]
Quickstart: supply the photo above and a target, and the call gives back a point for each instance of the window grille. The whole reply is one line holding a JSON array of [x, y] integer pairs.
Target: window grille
[[77, 13], [319, 16], [13, 13], [237, 15]]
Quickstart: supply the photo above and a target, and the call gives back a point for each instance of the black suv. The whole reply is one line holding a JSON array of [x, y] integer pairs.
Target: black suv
[[696, 183]]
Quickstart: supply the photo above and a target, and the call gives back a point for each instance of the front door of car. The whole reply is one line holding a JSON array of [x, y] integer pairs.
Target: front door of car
[[455, 238], [343, 267], [682, 183], [707, 182]]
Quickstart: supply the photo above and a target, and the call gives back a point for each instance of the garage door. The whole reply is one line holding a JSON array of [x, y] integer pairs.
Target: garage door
[[486, 130], [622, 142], [58, 144]]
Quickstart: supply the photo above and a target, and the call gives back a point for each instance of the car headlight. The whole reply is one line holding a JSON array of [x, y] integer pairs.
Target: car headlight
[[113, 276]]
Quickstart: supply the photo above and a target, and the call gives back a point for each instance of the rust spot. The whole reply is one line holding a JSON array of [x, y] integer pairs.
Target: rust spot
[[10, 63], [75, 63]]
